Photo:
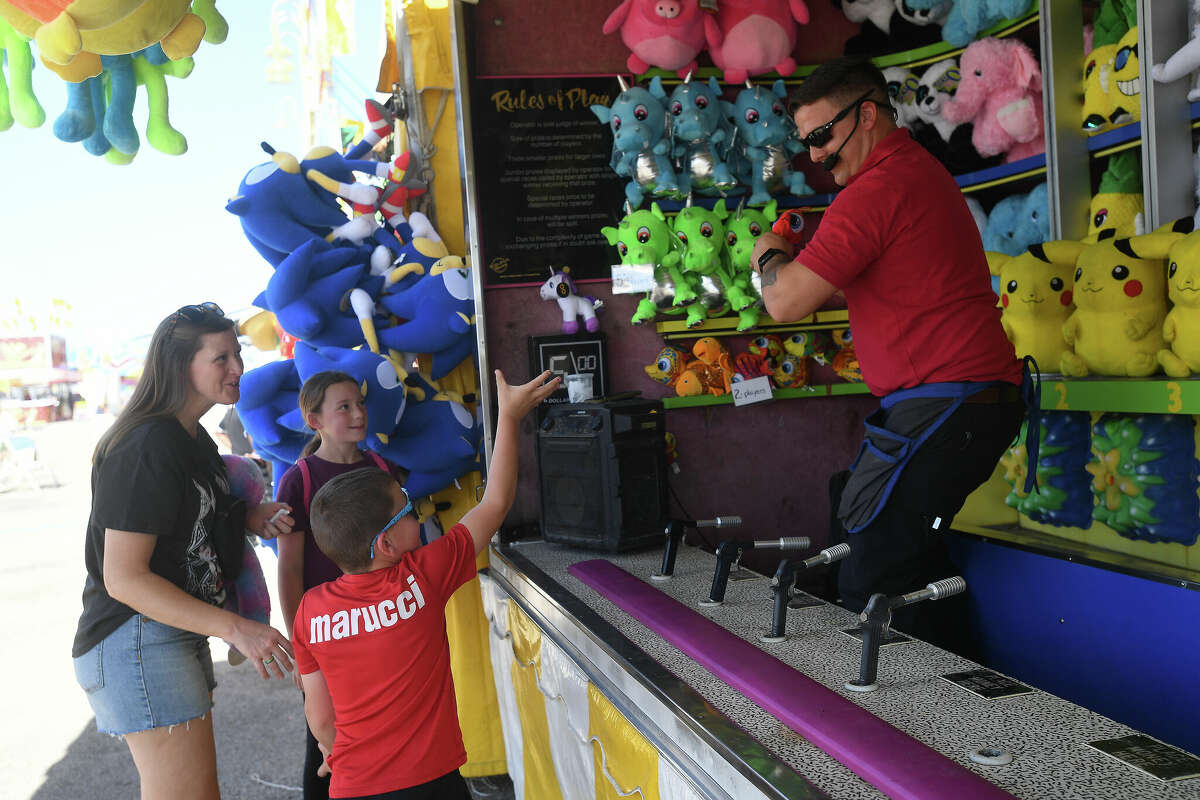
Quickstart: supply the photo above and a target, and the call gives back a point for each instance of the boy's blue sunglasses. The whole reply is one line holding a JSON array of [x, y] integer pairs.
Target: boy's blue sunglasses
[[408, 507]]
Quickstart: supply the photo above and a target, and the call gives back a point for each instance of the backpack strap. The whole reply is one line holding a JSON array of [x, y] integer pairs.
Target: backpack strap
[[306, 479], [379, 462]]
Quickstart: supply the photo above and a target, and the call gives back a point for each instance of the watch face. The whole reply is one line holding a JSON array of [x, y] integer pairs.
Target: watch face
[[768, 255]]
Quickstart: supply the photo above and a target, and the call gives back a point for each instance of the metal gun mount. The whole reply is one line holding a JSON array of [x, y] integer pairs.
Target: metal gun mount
[[783, 587], [676, 529], [877, 618], [730, 553]]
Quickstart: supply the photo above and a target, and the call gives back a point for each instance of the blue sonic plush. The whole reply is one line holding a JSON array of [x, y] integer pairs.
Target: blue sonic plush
[[702, 135], [269, 394], [768, 142], [381, 380], [309, 289], [438, 314], [641, 146], [285, 202]]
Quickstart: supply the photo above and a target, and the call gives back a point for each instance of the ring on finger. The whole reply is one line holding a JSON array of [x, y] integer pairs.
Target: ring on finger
[[269, 660]]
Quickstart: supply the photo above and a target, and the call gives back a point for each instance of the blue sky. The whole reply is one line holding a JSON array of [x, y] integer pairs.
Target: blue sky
[[128, 245]]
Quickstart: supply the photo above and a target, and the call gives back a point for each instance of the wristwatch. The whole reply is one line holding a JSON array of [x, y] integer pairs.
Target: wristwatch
[[769, 254]]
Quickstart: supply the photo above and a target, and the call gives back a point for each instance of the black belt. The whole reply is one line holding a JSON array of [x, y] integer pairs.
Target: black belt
[[1008, 393]]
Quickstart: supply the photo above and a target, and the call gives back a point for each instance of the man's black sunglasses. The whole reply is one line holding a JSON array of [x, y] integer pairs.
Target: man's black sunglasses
[[195, 313], [819, 137]]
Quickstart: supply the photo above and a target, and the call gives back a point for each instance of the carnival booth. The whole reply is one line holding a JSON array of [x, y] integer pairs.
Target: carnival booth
[[662, 618], [577, 187]]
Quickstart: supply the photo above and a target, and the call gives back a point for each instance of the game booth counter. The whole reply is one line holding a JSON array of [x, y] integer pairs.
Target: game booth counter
[[576, 187], [617, 670]]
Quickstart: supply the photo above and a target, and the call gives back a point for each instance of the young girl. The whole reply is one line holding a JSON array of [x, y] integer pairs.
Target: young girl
[[333, 407]]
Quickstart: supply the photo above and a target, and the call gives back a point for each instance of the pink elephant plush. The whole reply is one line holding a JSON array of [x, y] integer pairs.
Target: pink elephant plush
[[757, 36], [1001, 93], [668, 34]]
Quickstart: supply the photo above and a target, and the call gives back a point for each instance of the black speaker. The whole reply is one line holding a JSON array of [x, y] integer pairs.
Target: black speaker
[[603, 474]]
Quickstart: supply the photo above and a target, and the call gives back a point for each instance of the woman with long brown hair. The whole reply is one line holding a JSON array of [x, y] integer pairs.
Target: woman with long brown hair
[[163, 540]]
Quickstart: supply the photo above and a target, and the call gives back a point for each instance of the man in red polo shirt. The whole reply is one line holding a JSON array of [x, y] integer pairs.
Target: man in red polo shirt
[[900, 243]]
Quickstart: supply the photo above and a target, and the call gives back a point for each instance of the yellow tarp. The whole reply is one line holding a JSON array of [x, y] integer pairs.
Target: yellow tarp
[[622, 750]]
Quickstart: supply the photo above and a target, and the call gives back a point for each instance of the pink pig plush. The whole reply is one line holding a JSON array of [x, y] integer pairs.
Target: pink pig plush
[[668, 34], [1001, 93], [757, 36]]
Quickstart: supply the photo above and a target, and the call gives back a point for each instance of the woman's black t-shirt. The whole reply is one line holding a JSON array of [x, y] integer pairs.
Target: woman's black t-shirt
[[157, 480]]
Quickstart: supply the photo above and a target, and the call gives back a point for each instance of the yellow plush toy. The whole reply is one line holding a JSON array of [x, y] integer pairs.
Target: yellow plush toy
[[1125, 91], [1116, 210], [1181, 247], [1035, 293], [64, 28], [1098, 111], [1120, 304]]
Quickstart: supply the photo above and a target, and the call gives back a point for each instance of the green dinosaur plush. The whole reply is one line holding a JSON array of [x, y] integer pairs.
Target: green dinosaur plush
[[17, 101], [702, 233], [644, 237]]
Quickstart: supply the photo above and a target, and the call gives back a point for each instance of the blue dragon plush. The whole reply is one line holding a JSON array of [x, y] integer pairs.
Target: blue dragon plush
[[703, 137], [768, 142], [641, 144]]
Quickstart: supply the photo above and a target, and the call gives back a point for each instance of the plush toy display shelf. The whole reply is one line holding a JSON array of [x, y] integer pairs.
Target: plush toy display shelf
[[907, 58], [1127, 395], [1129, 135], [801, 393], [1004, 173], [727, 326]]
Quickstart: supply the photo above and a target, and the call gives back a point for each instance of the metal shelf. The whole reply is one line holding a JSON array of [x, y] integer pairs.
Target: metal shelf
[[727, 326], [1127, 395], [800, 393]]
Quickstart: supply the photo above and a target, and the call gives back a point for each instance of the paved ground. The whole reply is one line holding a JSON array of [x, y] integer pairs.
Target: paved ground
[[49, 746]]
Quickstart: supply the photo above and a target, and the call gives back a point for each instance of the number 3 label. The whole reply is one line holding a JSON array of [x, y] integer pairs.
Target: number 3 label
[[1174, 397]]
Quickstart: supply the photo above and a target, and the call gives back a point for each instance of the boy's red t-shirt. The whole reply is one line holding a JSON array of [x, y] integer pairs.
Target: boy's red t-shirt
[[379, 640]]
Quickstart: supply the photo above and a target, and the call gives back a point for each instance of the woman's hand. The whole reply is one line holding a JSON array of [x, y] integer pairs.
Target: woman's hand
[[266, 648], [266, 520], [323, 770]]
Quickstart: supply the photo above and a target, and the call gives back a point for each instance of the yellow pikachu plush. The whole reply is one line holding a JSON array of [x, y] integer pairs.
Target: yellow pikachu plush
[[1181, 330], [1036, 298], [1120, 304]]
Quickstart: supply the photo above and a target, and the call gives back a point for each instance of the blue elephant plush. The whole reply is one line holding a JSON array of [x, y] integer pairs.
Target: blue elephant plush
[[968, 18], [1018, 221]]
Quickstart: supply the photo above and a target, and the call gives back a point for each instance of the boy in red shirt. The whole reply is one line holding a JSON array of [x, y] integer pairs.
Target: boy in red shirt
[[371, 646]]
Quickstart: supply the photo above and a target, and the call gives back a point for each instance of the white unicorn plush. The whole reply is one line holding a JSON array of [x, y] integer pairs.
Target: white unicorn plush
[[560, 287]]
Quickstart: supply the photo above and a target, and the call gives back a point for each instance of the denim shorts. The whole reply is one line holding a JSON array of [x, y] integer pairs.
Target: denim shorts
[[146, 675]]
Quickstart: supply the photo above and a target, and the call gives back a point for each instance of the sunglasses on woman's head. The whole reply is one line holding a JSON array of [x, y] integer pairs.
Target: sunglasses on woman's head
[[819, 137], [195, 313]]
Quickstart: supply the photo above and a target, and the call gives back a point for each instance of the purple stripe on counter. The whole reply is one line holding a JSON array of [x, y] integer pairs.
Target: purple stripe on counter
[[895, 763]]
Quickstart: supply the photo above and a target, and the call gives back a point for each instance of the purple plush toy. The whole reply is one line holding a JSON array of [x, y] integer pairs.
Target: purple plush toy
[[247, 596], [560, 287]]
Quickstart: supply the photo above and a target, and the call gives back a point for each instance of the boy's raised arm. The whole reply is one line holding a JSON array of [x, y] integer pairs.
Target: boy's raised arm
[[513, 403]]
